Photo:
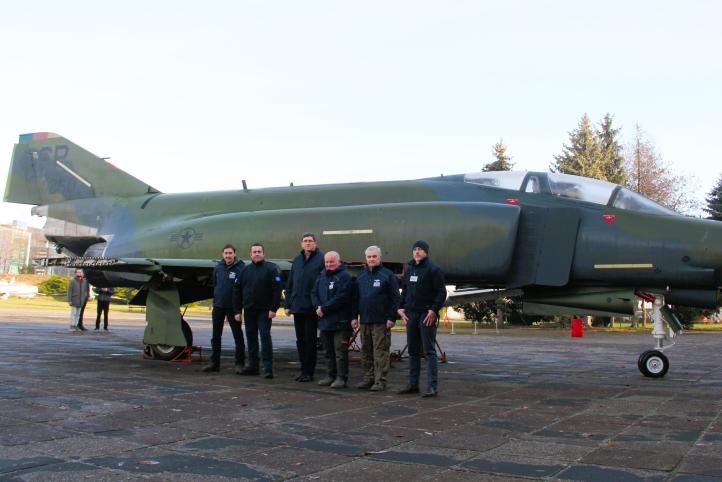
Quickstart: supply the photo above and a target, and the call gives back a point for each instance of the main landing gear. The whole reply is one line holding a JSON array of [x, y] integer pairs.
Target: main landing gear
[[654, 363], [166, 334], [161, 351]]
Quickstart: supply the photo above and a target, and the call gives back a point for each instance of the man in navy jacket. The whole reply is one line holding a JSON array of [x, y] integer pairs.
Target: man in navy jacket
[[333, 298], [225, 275], [305, 270], [378, 300], [424, 293]]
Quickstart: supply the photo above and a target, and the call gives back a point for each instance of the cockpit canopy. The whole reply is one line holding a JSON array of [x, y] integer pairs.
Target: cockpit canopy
[[568, 186]]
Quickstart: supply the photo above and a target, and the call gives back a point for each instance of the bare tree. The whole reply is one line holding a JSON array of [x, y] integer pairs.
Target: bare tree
[[649, 175]]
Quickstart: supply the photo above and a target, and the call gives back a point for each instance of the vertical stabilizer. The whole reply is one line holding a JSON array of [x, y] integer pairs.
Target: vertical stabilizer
[[47, 168]]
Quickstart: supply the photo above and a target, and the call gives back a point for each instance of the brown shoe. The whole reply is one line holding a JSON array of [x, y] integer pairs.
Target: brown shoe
[[365, 385]]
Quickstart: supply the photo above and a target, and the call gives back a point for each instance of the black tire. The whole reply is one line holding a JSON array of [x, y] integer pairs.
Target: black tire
[[170, 352], [641, 358], [654, 364]]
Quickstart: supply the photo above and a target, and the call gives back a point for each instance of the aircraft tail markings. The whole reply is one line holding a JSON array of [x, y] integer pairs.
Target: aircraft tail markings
[[47, 168]]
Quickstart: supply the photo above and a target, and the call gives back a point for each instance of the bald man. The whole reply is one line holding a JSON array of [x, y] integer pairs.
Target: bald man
[[332, 297]]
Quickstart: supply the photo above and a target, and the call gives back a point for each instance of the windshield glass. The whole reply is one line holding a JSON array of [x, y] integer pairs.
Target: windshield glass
[[581, 188], [502, 179], [635, 202]]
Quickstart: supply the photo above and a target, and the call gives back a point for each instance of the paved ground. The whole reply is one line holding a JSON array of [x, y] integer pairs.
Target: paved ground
[[517, 405]]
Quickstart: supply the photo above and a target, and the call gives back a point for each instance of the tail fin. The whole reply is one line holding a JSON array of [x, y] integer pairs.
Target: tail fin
[[47, 168]]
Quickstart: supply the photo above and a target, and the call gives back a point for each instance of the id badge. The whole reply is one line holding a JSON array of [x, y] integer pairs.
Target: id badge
[[413, 279]]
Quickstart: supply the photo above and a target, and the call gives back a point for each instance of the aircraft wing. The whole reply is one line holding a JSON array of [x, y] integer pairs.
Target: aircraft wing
[[171, 266], [149, 266]]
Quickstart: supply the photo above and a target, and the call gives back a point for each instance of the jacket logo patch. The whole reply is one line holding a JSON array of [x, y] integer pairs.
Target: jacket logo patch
[[377, 283]]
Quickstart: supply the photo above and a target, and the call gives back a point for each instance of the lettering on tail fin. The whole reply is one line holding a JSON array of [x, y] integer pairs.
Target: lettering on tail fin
[[53, 174]]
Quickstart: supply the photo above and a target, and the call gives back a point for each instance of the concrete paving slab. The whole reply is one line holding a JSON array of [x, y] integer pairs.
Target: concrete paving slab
[[540, 450], [592, 473], [625, 456], [294, 461], [520, 466], [363, 470], [702, 465]]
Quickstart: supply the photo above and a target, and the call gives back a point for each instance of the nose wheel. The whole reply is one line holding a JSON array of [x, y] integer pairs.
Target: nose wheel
[[653, 364]]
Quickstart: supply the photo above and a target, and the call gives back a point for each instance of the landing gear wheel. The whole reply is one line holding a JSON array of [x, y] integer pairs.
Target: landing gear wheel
[[641, 357], [653, 364], [169, 352]]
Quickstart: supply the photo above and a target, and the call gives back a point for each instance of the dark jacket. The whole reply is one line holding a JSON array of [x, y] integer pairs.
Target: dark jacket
[[424, 288], [378, 295], [333, 293], [103, 294], [225, 276], [78, 292], [259, 289], [301, 280]]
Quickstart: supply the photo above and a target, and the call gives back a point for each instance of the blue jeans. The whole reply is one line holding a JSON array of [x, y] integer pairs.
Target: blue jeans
[[259, 323], [418, 337]]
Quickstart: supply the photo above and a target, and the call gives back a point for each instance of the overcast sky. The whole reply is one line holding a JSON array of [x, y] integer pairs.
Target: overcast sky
[[194, 98]]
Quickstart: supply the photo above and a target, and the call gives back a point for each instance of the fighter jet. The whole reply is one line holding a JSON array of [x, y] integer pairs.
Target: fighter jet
[[565, 244]]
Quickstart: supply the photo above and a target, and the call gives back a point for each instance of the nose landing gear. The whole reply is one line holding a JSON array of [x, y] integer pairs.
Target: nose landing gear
[[654, 363]]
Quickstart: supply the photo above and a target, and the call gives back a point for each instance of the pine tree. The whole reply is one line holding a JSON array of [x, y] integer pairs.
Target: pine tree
[[611, 150], [502, 159], [582, 157], [714, 202]]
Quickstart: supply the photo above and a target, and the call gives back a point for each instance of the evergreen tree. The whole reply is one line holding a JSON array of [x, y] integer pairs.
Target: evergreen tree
[[612, 158], [502, 159], [583, 155], [714, 202]]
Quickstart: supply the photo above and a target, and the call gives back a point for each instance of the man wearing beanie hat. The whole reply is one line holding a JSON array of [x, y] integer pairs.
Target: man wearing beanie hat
[[423, 295]]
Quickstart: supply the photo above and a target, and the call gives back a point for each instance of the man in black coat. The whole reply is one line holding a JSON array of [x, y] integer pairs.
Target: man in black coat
[[378, 300], [423, 295], [225, 276], [103, 298], [305, 270], [333, 298], [259, 295]]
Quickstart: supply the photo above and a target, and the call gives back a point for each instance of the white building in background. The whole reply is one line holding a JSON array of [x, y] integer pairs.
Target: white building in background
[[20, 245]]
